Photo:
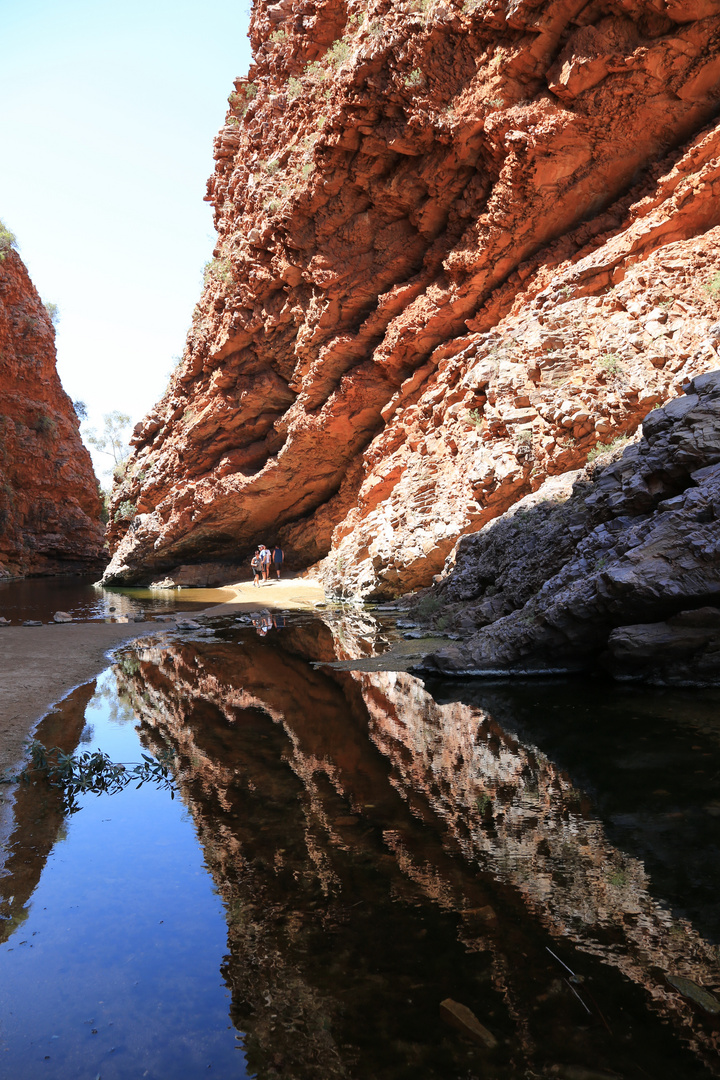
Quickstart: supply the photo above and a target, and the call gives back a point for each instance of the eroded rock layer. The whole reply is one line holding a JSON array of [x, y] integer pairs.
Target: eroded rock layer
[[49, 502], [621, 567], [459, 245]]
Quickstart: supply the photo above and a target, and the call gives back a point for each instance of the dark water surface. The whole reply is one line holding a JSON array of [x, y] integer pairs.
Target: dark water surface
[[349, 849], [79, 596]]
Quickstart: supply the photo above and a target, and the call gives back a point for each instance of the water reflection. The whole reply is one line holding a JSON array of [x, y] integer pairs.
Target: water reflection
[[112, 952], [38, 815], [40, 598], [378, 851]]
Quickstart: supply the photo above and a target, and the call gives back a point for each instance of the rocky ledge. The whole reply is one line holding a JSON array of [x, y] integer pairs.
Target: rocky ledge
[[615, 566]]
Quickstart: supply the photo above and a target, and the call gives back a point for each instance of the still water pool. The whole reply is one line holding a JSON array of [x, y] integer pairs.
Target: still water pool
[[33, 598], [349, 850]]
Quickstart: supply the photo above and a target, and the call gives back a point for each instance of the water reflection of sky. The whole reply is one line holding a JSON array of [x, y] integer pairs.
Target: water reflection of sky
[[376, 850], [116, 969]]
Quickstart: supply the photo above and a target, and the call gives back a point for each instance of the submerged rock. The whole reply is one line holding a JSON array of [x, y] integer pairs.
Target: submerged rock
[[689, 989], [625, 571], [462, 1018]]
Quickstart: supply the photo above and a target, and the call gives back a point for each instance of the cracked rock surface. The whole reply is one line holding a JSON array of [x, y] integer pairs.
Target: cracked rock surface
[[622, 568], [460, 245]]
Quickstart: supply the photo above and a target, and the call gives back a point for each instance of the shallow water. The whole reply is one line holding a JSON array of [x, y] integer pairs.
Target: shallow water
[[346, 851], [79, 596]]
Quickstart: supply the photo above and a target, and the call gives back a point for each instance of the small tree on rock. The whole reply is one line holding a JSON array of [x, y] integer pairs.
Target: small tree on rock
[[112, 440]]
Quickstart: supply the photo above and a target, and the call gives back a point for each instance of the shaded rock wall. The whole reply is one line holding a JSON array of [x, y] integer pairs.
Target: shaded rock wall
[[458, 246], [49, 502], [625, 563]]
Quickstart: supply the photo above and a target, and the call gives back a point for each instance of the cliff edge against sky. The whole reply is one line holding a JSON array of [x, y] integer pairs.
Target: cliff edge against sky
[[49, 502], [459, 246]]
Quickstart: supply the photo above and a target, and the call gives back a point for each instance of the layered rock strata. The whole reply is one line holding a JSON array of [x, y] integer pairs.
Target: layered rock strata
[[459, 245], [621, 567], [49, 502]]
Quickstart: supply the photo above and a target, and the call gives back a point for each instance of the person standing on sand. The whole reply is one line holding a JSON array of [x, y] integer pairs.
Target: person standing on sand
[[257, 567], [265, 556], [278, 555]]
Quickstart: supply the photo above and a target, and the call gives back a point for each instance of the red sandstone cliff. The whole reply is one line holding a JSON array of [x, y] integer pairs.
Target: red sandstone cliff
[[49, 503], [459, 245]]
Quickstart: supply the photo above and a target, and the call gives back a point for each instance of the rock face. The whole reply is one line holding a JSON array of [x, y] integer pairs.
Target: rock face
[[49, 502], [622, 568], [459, 245]]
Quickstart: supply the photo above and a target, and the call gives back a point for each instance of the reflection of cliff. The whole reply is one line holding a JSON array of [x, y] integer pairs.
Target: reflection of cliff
[[38, 815], [366, 878], [515, 813], [313, 934]]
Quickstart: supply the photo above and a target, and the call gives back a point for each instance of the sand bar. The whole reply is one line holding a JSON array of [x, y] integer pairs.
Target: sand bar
[[39, 665], [288, 594]]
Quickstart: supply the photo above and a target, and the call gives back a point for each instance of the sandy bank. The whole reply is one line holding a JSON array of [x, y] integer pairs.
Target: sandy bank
[[39, 665], [288, 594]]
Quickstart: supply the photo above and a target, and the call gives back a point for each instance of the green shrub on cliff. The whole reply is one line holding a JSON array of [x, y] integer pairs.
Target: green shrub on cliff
[[314, 71], [239, 99], [126, 511], [611, 362], [293, 89], [607, 448], [713, 286], [43, 424], [217, 269], [8, 240], [338, 53]]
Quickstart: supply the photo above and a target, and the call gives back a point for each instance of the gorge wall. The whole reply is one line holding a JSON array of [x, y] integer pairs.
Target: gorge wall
[[618, 564], [49, 502], [459, 246]]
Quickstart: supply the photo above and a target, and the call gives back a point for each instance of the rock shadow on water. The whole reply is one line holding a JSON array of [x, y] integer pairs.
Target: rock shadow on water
[[38, 813]]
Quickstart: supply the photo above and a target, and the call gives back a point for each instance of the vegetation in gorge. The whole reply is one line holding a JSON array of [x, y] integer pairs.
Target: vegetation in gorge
[[112, 439], [8, 241]]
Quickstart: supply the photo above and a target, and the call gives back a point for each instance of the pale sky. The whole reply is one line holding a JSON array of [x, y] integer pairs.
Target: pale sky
[[106, 126]]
